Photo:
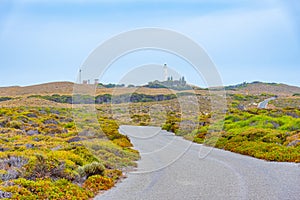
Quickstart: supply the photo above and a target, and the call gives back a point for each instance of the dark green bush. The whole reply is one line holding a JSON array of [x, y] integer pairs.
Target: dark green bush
[[94, 168]]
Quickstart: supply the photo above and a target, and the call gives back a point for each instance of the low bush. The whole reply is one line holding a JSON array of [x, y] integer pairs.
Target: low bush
[[262, 134], [94, 168], [97, 182], [47, 189], [38, 161]]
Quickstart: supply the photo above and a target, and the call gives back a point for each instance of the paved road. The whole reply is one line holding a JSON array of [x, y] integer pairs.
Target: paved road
[[264, 104], [164, 173]]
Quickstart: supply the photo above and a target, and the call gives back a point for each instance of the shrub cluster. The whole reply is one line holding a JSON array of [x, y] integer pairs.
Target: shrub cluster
[[266, 134], [44, 156]]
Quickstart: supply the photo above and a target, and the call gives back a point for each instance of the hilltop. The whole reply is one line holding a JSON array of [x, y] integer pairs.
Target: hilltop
[[256, 88], [45, 88], [66, 88]]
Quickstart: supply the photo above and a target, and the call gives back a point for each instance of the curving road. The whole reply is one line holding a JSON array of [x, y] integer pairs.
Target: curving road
[[264, 104], [171, 169]]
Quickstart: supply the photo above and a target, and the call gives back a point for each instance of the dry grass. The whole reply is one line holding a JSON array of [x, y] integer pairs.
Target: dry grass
[[32, 102], [43, 89], [259, 88], [67, 88]]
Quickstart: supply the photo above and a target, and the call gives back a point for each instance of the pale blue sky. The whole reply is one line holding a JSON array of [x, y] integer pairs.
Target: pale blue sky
[[248, 40]]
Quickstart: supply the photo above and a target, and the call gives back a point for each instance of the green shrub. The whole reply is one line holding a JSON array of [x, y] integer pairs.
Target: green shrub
[[14, 124], [123, 142], [98, 182], [114, 174], [50, 169], [47, 189], [94, 168], [264, 134], [44, 167]]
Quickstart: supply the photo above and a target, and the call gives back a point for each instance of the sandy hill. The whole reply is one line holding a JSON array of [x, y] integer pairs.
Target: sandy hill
[[43, 89], [67, 88], [35, 102], [257, 88]]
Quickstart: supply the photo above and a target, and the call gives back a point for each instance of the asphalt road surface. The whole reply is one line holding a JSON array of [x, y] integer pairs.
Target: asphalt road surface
[[264, 103], [172, 168]]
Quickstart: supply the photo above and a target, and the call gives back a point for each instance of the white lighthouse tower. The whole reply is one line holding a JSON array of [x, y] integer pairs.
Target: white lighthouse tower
[[165, 72]]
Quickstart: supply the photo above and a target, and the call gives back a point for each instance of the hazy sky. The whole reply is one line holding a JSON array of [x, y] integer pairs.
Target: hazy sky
[[248, 40]]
